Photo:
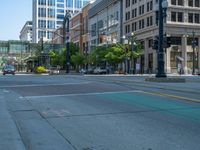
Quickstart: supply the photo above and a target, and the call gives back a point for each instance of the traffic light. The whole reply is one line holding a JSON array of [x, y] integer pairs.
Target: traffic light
[[166, 42], [194, 43], [155, 43]]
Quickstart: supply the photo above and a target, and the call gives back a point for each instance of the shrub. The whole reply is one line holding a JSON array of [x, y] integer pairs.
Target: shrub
[[40, 69]]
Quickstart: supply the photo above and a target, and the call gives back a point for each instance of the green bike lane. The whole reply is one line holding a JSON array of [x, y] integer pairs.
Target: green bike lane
[[148, 100]]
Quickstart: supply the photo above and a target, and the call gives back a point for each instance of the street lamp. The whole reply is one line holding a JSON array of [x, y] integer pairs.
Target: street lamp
[[161, 63], [130, 39]]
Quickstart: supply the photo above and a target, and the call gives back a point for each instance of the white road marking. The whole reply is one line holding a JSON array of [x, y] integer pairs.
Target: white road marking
[[82, 94], [35, 85]]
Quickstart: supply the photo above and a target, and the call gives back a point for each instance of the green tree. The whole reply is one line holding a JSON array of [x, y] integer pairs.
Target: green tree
[[97, 56], [77, 60], [115, 55]]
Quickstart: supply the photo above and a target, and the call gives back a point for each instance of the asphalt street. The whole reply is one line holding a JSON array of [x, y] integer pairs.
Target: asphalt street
[[76, 112]]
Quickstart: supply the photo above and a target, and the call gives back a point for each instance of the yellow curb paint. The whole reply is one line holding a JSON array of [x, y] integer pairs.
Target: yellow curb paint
[[174, 96]]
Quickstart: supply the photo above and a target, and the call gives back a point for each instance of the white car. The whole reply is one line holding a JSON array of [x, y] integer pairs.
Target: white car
[[99, 70]]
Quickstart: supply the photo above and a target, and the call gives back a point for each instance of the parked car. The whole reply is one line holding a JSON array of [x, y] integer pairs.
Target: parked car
[[83, 71], [8, 69], [99, 70]]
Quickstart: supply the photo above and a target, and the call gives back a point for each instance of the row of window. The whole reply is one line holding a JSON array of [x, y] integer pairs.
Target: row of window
[[141, 10], [179, 17], [42, 24], [69, 3], [191, 3], [44, 33], [139, 25]]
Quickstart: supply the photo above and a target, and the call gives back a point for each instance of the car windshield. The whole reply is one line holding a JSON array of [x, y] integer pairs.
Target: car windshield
[[9, 67]]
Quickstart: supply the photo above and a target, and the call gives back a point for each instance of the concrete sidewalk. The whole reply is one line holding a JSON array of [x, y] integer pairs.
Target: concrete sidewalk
[[10, 138]]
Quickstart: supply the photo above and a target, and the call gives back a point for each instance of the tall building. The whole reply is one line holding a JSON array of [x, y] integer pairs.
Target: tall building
[[26, 32], [181, 21], [49, 14], [105, 22]]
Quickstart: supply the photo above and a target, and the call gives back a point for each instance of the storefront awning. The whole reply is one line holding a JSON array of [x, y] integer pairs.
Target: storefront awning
[[179, 58]]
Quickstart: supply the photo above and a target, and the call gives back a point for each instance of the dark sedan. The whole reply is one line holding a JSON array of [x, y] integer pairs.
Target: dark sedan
[[8, 69]]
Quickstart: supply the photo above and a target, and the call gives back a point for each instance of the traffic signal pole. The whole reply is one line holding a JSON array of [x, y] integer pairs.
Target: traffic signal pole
[[161, 63]]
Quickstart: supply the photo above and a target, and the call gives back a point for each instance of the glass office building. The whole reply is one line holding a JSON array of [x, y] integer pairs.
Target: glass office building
[[49, 14]]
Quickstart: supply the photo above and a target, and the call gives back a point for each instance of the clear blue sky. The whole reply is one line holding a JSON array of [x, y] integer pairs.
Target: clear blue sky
[[13, 15]]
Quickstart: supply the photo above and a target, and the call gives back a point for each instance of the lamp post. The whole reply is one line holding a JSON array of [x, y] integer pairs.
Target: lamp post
[[66, 39], [161, 62], [125, 64], [132, 43]]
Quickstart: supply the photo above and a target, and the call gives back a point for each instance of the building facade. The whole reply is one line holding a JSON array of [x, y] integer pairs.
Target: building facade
[[182, 20], [49, 14], [105, 22], [26, 32], [79, 33], [57, 36]]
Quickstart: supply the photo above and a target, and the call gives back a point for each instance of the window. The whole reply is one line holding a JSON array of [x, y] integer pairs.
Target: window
[[142, 23], [134, 26], [41, 34], [148, 6], [151, 5], [176, 40], [190, 17], [94, 28], [173, 16], [51, 13], [128, 15], [69, 3], [150, 43], [134, 2], [142, 9], [42, 12], [148, 22], [51, 2], [196, 3], [51, 25], [151, 20], [42, 23], [60, 5], [127, 3], [180, 2], [134, 13], [190, 3], [60, 10], [77, 4], [127, 28], [196, 18], [180, 17], [42, 2], [173, 2], [61, 17]]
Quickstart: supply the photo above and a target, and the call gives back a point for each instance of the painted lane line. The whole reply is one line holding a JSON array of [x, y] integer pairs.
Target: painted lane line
[[35, 85], [174, 96], [82, 94]]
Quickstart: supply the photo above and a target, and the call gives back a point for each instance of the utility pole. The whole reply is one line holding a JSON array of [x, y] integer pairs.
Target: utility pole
[[161, 62]]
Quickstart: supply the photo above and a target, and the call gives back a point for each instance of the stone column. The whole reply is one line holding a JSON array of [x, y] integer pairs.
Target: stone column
[[146, 56], [184, 53], [167, 60]]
